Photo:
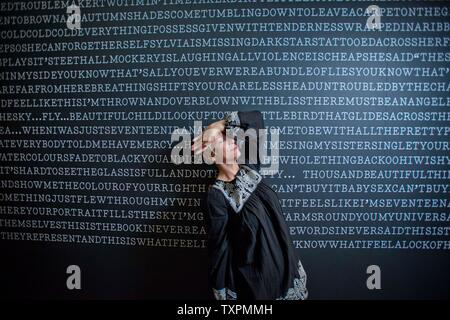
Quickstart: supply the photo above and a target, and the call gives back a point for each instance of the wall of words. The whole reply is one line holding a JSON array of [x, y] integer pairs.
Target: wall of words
[[91, 91]]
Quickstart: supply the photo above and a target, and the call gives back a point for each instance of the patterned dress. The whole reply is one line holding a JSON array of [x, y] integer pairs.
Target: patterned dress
[[251, 254]]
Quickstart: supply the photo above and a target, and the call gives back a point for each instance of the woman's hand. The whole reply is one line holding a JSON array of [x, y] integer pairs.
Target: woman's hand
[[204, 140], [218, 124]]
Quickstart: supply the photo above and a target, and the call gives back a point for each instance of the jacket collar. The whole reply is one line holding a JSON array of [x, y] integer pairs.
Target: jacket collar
[[239, 190]]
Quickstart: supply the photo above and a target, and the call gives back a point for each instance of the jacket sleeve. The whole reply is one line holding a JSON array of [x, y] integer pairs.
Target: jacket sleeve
[[237, 120], [218, 244]]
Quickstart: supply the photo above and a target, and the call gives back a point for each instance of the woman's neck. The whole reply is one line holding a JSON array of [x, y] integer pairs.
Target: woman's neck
[[227, 172]]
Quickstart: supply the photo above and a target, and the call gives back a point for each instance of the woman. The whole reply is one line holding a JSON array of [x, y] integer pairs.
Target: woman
[[250, 251]]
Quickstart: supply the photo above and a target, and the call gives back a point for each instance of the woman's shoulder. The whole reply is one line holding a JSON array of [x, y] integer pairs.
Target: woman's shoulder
[[214, 194], [216, 202]]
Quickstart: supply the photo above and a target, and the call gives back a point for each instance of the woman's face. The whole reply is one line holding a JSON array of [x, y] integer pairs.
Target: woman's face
[[229, 149]]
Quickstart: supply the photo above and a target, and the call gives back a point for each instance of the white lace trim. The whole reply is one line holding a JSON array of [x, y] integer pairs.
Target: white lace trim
[[224, 294], [298, 291], [239, 190]]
